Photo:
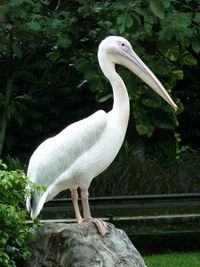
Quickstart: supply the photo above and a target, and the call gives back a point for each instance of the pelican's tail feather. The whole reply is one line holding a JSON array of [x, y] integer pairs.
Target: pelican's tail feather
[[28, 198], [37, 204], [28, 203]]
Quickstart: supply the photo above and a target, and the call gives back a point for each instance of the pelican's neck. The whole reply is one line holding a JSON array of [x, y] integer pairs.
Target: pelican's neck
[[120, 95]]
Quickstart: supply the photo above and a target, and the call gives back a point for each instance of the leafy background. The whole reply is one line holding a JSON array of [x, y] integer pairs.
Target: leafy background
[[50, 75]]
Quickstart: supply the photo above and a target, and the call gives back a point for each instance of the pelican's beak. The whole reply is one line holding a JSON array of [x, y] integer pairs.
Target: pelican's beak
[[137, 66]]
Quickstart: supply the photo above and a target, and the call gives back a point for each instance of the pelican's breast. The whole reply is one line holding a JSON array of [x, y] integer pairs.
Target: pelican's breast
[[96, 159]]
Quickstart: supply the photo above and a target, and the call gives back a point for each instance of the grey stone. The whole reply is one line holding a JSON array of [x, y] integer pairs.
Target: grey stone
[[79, 245]]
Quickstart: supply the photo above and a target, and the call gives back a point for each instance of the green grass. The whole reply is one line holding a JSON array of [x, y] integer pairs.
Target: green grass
[[190, 259]]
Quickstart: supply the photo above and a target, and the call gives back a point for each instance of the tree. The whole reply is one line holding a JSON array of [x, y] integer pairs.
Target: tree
[[48, 55], [30, 42]]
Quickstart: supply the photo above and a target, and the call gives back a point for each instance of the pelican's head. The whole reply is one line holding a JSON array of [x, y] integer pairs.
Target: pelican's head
[[119, 51]]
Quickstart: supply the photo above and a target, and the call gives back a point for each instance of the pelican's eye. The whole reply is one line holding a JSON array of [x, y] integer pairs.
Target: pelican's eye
[[124, 46]]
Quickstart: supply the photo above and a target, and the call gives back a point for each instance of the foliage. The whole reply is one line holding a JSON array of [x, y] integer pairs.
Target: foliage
[[189, 92], [29, 38], [49, 71], [13, 228], [136, 173], [14, 163]]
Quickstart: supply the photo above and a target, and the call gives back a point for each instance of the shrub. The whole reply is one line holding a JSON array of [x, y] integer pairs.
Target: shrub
[[134, 172], [13, 228]]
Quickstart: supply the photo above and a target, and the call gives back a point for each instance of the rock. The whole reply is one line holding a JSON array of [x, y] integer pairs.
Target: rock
[[79, 245]]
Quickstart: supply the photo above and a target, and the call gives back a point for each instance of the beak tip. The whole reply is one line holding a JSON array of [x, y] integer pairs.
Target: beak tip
[[176, 108]]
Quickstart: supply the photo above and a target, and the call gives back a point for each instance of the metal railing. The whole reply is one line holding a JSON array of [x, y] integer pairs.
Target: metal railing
[[129, 208], [168, 219]]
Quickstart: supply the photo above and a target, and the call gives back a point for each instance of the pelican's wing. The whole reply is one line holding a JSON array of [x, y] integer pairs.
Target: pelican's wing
[[57, 154]]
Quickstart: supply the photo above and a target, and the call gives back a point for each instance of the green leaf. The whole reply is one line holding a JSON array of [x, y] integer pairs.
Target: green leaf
[[105, 24], [22, 14], [121, 19], [56, 23], [188, 59], [185, 41], [154, 101], [3, 240], [34, 25], [122, 28], [97, 85], [166, 33], [16, 2], [144, 130], [37, 7], [119, 5], [64, 42], [81, 64], [172, 53], [196, 44], [166, 3], [17, 51], [129, 21], [157, 8], [55, 56], [182, 20], [90, 74], [197, 17], [178, 74], [161, 121]]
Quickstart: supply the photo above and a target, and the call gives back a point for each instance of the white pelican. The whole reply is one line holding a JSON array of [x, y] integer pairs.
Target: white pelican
[[84, 149]]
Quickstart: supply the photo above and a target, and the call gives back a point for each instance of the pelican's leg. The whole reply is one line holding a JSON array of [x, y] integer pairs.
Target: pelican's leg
[[101, 226], [74, 196]]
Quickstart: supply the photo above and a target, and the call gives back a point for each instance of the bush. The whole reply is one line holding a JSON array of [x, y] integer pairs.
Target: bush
[[13, 228], [134, 172]]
